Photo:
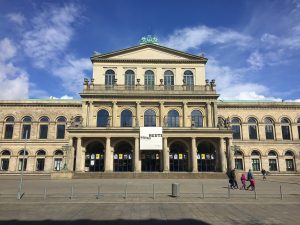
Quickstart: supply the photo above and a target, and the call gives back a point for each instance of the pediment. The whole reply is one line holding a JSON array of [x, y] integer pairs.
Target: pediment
[[148, 52]]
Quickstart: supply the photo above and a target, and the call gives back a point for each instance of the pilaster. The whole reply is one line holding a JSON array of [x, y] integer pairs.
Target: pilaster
[[108, 163], [194, 156], [137, 161], [166, 155]]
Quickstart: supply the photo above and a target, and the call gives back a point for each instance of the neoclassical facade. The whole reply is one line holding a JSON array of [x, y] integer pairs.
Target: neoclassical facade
[[148, 108]]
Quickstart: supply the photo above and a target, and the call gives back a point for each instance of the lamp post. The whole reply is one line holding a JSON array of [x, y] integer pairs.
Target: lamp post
[[19, 194], [66, 148]]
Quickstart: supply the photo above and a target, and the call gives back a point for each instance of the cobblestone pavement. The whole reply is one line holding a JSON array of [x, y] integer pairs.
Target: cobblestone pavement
[[136, 204]]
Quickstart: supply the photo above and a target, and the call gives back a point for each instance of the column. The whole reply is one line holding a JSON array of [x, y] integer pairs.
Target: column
[[79, 156], [194, 156], [108, 164], [261, 132], [138, 116], [3, 130], [71, 155], [209, 122], [13, 163], [294, 131], [185, 114], [166, 155], [222, 155], [137, 161], [114, 114], [230, 163], [215, 114], [91, 115], [87, 120], [161, 114], [278, 132], [244, 131], [17, 131]]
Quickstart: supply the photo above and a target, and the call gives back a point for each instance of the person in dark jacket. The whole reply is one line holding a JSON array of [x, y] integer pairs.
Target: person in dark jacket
[[249, 178]]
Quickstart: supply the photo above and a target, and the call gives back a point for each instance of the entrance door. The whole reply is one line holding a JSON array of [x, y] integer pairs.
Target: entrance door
[[150, 161], [178, 158], [4, 164], [206, 157], [123, 157], [94, 157]]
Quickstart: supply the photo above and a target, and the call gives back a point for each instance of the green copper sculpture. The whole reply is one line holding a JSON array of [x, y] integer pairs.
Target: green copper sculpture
[[149, 40]]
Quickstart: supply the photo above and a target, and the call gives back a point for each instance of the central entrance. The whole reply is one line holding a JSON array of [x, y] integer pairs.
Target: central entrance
[[206, 157], [150, 161], [94, 157], [178, 157], [123, 157]]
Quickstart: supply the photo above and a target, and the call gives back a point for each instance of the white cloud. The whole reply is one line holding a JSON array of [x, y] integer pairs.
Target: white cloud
[[256, 60], [65, 97], [193, 37], [17, 18]]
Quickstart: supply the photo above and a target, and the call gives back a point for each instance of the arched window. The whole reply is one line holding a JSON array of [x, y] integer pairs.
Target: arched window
[[22, 160], [149, 118], [60, 127], [126, 118], [149, 79], [272, 157], [26, 127], [44, 123], [255, 159], [285, 128], [289, 161], [188, 78], [40, 160], [58, 160], [173, 118], [109, 77], [269, 129], [102, 118], [4, 163], [169, 79], [298, 125], [236, 127], [252, 127], [197, 118], [9, 127], [239, 160], [129, 78]]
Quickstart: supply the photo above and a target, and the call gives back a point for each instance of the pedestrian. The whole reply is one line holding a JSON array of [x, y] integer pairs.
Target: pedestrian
[[249, 177], [264, 173], [252, 184], [229, 174], [233, 177], [243, 180]]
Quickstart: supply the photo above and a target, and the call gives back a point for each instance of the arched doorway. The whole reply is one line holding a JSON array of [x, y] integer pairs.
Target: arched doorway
[[123, 157], [178, 157], [206, 157], [94, 157], [150, 161]]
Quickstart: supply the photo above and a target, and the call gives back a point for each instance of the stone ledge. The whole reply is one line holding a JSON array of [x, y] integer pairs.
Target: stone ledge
[[61, 175]]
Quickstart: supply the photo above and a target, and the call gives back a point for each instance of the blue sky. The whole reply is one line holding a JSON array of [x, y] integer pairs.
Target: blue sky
[[253, 47]]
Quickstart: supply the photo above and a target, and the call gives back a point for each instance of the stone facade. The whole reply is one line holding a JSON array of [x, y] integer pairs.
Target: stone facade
[[149, 86]]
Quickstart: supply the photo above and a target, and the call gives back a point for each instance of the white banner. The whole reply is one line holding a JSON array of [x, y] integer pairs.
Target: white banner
[[151, 138]]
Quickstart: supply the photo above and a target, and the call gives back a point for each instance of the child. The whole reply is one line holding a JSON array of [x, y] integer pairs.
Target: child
[[243, 180], [252, 184]]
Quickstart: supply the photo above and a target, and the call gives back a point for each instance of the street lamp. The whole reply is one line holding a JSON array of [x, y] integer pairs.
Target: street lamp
[[66, 148]]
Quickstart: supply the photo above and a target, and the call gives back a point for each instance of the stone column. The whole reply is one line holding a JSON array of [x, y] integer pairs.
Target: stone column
[[215, 114], [30, 164], [230, 163], [278, 132], [71, 155], [294, 131], [137, 160], [13, 163], [108, 164], [17, 131], [114, 114], [138, 116], [161, 114], [209, 121], [194, 156], [2, 127], [166, 155], [222, 155], [48, 163], [87, 115], [91, 115], [261, 132], [185, 114], [79, 156], [244, 131]]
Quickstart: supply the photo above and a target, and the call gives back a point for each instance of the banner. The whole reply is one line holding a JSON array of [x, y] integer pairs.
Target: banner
[[151, 138]]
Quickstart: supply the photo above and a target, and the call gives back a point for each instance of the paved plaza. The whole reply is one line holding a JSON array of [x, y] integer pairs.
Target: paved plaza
[[148, 201]]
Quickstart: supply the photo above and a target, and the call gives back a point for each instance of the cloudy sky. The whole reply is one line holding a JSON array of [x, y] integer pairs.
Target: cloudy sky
[[253, 47]]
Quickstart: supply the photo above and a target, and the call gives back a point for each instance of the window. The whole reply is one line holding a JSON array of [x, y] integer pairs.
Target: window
[[169, 79], [252, 125], [197, 119], [188, 78], [44, 121], [269, 129], [149, 79], [173, 118], [289, 161], [4, 163], [102, 118], [129, 78], [126, 118], [239, 160], [109, 77], [255, 159], [40, 160], [22, 161], [298, 124], [149, 118], [236, 128], [60, 127], [272, 156], [285, 128], [26, 127], [58, 160], [9, 127]]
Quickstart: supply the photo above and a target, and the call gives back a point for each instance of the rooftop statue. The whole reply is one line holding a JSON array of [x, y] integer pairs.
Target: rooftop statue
[[149, 40]]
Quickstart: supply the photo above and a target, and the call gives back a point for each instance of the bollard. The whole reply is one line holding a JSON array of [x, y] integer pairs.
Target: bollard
[[153, 191], [126, 191], [45, 193], [72, 192], [202, 191], [228, 191], [98, 193], [281, 195], [255, 195]]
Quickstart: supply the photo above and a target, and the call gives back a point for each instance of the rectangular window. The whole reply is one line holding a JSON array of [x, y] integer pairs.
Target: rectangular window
[[4, 164], [239, 164], [252, 132], [272, 164], [57, 164], [9, 130], [26, 127], [269, 132], [60, 132], [21, 164], [40, 164], [255, 165], [43, 131], [285, 132], [236, 131], [289, 164]]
